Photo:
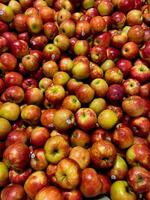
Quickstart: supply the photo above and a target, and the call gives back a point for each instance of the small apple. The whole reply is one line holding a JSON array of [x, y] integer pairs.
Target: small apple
[[3, 174], [120, 190], [103, 154], [66, 178], [56, 148]]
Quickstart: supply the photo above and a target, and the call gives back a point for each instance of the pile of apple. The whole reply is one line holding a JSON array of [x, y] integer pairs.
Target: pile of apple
[[74, 99]]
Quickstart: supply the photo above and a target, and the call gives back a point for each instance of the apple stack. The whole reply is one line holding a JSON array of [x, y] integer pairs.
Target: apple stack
[[74, 99]]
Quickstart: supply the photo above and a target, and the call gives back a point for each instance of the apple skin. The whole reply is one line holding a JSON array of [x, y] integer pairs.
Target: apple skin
[[113, 75], [56, 148], [85, 118], [50, 172], [130, 50], [90, 185], [35, 182], [131, 86], [4, 177], [119, 170], [103, 154], [9, 60], [50, 68], [14, 94], [5, 128], [68, 179], [103, 40], [85, 93], [106, 183], [134, 17], [50, 30], [16, 136], [19, 48], [51, 52], [39, 136], [7, 13], [38, 160], [133, 106], [115, 93], [98, 54], [31, 114], [138, 153], [124, 65], [117, 110], [144, 51], [139, 179], [16, 156], [63, 119], [49, 192], [145, 90], [19, 178], [14, 191], [80, 69], [123, 137], [82, 29], [68, 27], [33, 96], [119, 190], [118, 20], [71, 102], [100, 87], [141, 126], [140, 73], [81, 156], [20, 22], [38, 42], [3, 27], [136, 34], [13, 78], [107, 119], [47, 118], [72, 195], [80, 138]]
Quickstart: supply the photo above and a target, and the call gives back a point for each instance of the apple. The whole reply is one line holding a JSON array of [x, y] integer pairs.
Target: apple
[[33, 96], [14, 94], [107, 64], [138, 153], [103, 39], [60, 78], [140, 73], [81, 48], [100, 87], [38, 42], [38, 160], [97, 24], [130, 50], [63, 119], [133, 106], [56, 148], [47, 14], [50, 68], [98, 105], [103, 154], [105, 8], [47, 118], [123, 137], [107, 119], [62, 15], [66, 64], [20, 22], [139, 140], [50, 172], [120, 189], [82, 29], [35, 182], [29, 83], [62, 42], [144, 51], [8, 60], [51, 52], [119, 170], [5, 128], [81, 70], [81, 156], [112, 53], [136, 34], [145, 90], [6, 111], [13, 78], [14, 191], [85, 93], [49, 192], [16, 177], [80, 138], [113, 75], [134, 17], [16, 156], [72, 195], [15, 5], [3, 174], [71, 103], [90, 185], [3, 27], [98, 54], [16, 136], [85, 118], [124, 65], [131, 86], [139, 179], [66, 178], [68, 27], [7, 14], [19, 48], [50, 30], [115, 93], [118, 20]]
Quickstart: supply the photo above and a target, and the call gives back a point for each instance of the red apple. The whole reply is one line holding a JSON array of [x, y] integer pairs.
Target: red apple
[[90, 185], [68, 179], [35, 182], [131, 86], [139, 179], [130, 50], [103, 154]]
